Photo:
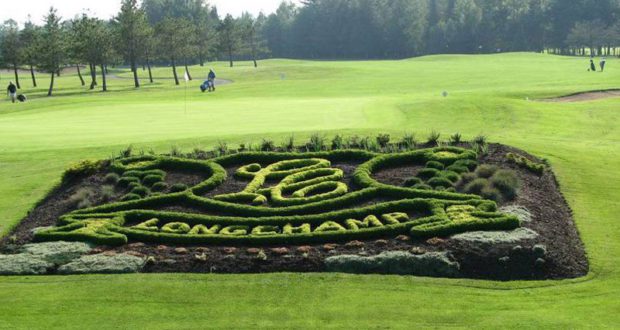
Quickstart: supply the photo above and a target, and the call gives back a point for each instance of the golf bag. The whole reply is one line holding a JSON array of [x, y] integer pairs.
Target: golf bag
[[205, 86]]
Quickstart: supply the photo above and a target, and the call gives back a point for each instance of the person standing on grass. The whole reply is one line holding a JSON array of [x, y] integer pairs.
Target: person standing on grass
[[603, 62], [211, 79], [12, 92], [592, 65]]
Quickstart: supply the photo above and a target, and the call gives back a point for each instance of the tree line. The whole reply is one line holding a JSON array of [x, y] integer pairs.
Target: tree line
[[360, 29], [184, 32], [174, 32]]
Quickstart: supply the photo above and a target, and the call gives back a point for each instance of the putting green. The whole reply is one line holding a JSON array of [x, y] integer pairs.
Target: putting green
[[488, 94]]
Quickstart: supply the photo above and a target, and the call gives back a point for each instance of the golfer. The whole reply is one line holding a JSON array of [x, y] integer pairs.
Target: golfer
[[592, 65], [211, 79], [603, 62], [12, 92]]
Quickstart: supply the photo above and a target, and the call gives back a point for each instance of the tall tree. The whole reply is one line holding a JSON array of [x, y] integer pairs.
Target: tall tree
[[229, 37], [31, 37], [172, 35], [253, 43], [277, 30], [150, 49], [53, 46], [589, 35], [131, 26], [104, 37], [206, 34], [11, 47]]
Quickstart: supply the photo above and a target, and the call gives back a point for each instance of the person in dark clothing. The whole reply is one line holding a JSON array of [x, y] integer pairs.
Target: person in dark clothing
[[592, 65], [211, 79], [603, 62], [12, 92]]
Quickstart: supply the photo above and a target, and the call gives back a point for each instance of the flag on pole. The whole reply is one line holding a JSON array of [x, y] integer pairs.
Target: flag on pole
[[186, 77]]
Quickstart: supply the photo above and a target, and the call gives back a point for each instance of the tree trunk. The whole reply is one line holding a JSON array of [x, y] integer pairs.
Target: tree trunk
[[93, 76], [106, 69], [230, 57], [79, 72], [58, 73], [34, 78], [104, 84], [255, 63], [16, 77], [148, 65], [174, 71], [49, 92], [189, 75], [135, 73]]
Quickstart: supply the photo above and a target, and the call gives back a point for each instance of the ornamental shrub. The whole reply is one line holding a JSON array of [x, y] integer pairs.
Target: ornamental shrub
[[440, 182], [475, 187], [107, 193], [455, 138], [457, 169], [159, 187], [491, 193], [467, 178], [289, 144], [450, 175], [133, 174], [125, 181], [436, 165], [529, 165], [317, 143], [130, 197], [150, 180], [433, 138], [383, 140], [178, 187], [337, 142], [486, 171], [506, 182], [133, 185], [427, 173], [408, 142], [154, 172], [267, 145], [469, 163], [81, 169], [141, 191], [480, 140], [422, 186], [412, 182], [111, 178]]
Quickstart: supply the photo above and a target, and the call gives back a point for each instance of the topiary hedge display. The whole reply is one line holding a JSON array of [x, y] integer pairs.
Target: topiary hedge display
[[289, 198]]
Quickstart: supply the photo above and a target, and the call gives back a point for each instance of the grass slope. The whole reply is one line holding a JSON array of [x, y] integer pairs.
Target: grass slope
[[487, 94]]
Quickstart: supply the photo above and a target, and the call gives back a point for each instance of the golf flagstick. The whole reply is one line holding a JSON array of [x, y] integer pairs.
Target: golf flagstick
[[186, 77]]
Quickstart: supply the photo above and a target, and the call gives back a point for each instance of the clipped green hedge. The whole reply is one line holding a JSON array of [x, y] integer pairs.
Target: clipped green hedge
[[310, 204]]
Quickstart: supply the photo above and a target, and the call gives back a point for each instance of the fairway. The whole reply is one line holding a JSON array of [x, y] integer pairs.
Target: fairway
[[494, 95]]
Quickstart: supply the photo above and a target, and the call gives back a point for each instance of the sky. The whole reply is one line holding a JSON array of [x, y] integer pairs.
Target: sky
[[19, 10]]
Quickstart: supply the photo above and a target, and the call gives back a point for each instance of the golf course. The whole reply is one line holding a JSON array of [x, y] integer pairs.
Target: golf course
[[506, 97]]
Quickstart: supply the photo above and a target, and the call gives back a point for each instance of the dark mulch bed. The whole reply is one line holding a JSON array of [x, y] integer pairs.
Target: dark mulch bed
[[552, 220]]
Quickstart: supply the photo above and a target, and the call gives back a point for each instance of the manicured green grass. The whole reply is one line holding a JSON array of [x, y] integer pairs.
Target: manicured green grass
[[487, 94]]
